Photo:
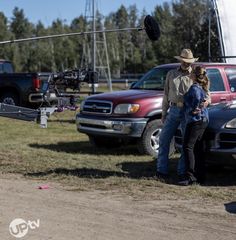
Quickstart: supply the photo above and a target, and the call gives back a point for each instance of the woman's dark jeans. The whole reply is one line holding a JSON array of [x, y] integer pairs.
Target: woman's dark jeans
[[193, 150]]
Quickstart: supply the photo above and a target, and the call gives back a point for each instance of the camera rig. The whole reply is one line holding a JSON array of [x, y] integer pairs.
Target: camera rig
[[65, 85], [71, 79]]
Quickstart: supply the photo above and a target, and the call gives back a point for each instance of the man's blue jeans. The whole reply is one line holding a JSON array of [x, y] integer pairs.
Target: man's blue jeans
[[173, 119]]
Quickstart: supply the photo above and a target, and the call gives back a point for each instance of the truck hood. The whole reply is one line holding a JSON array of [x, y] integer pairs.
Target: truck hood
[[127, 95]]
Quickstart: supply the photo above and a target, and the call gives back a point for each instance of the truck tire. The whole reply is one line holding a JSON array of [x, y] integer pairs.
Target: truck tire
[[104, 142], [149, 142], [9, 98]]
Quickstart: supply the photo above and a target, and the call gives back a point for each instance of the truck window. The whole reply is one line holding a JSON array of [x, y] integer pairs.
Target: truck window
[[231, 75], [216, 81], [152, 80], [6, 67]]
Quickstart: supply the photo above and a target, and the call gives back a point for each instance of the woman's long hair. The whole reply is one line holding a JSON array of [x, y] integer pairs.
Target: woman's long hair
[[201, 77]]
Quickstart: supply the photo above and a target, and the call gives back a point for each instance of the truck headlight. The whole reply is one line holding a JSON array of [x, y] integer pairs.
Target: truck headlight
[[125, 108], [231, 123]]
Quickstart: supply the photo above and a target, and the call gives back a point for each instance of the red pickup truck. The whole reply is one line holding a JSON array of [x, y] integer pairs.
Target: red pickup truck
[[110, 119]]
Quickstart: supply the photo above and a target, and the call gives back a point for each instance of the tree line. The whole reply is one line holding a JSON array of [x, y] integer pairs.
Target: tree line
[[183, 24]]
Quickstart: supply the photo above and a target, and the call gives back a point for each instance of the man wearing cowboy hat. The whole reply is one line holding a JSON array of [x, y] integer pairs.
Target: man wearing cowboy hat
[[176, 85]]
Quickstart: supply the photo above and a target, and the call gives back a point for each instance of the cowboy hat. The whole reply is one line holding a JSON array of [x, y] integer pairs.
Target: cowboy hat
[[186, 56]]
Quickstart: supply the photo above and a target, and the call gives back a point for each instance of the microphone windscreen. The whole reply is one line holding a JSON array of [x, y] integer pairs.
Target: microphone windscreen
[[152, 28]]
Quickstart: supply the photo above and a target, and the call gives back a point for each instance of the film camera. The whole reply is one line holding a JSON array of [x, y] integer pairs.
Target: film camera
[[63, 89], [72, 79]]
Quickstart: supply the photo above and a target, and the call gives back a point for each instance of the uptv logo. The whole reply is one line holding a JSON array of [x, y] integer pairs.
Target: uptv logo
[[19, 227]]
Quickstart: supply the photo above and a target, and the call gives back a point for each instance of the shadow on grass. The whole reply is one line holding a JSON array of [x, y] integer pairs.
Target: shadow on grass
[[216, 176], [220, 176], [134, 170], [85, 148], [71, 121], [79, 172], [139, 169]]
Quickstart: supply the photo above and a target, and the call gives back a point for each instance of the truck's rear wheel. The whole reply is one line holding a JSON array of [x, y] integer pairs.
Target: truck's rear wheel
[[104, 142], [149, 142], [9, 98]]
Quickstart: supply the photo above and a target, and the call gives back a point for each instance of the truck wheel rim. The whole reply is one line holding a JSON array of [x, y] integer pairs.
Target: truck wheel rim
[[9, 101], [155, 140]]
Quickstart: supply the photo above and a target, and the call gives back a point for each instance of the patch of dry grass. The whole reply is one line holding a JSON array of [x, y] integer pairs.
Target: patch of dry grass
[[59, 153]]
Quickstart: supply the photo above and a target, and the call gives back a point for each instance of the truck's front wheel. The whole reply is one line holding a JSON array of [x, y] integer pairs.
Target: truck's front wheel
[[149, 142]]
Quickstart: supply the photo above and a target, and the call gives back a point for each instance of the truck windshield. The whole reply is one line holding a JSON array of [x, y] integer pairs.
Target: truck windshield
[[152, 80]]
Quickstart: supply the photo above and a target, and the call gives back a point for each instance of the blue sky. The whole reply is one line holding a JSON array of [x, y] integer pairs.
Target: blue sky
[[49, 10]]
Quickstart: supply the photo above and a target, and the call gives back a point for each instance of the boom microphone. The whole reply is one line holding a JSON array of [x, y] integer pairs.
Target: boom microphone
[[151, 28]]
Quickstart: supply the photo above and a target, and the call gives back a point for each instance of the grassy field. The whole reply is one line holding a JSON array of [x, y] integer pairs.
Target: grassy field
[[61, 154], [102, 87]]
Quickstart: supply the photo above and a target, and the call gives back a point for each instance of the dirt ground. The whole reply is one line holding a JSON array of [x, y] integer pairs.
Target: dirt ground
[[66, 214]]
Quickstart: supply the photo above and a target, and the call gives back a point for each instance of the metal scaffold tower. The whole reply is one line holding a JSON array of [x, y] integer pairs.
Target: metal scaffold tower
[[95, 52]]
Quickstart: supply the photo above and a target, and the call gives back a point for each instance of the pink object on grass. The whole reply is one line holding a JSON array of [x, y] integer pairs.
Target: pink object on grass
[[43, 187]]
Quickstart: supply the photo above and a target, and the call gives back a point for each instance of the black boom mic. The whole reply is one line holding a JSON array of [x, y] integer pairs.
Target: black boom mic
[[152, 28]]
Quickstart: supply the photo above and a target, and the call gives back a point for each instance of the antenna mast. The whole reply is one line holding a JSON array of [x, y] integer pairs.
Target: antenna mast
[[98, 56]]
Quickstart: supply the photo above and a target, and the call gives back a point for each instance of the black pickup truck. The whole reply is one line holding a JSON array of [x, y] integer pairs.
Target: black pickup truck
[[21, 89]]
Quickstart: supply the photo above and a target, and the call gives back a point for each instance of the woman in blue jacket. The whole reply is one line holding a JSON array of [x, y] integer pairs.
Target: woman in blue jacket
[[196, 117]]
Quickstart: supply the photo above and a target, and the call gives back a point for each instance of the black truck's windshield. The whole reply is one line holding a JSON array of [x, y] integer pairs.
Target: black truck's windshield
[[152, 80]]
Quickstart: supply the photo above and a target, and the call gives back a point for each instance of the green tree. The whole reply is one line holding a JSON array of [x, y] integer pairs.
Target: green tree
[[189, 17], [5, 34], [42, 50], [166, 45], [21, 28], [61, 48], [121, 21], [134, 54], [78, 42], [203, 39], [113, 45]]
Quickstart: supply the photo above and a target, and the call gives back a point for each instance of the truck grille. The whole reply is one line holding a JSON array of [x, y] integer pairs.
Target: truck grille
[[99, 107]]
